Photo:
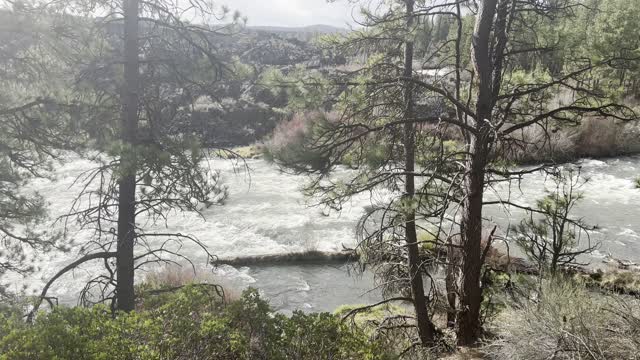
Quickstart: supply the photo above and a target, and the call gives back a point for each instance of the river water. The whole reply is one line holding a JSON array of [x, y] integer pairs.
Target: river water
[[267, 214]]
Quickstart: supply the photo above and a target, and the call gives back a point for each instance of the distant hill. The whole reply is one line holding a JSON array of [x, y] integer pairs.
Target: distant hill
[[312, 29]]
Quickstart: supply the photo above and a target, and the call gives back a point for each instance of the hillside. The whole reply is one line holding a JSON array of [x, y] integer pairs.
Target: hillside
[[315, 29]]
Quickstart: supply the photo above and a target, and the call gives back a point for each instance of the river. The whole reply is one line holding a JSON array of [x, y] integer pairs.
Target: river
[[267, 214]]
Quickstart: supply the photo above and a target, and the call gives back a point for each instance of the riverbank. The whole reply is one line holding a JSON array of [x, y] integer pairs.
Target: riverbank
[[596, 138], [593, 137]]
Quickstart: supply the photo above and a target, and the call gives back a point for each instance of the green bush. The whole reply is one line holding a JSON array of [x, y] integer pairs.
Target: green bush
[[77, 333], [190, 324]]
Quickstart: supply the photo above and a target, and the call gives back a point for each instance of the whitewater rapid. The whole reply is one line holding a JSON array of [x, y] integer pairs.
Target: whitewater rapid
[[266, 213]]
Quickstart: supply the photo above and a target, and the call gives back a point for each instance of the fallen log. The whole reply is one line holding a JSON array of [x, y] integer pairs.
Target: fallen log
[[621, 280], [306, 257]]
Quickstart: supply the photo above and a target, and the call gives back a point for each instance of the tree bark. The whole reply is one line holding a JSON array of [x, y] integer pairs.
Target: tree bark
[[470, 291], [425, 327], [125, 297], [451, 280], [469, 326]]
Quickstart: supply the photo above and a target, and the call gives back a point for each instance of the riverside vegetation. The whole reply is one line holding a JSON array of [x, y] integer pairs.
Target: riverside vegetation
[[435, 103]]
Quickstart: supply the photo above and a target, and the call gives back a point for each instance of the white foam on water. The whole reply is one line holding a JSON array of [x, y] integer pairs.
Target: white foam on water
[[628, 233], [304, 286], [230, 272], [593, 163], [267, 214]]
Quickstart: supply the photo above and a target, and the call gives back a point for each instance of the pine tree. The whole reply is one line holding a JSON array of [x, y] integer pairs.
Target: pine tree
[[139, 71]]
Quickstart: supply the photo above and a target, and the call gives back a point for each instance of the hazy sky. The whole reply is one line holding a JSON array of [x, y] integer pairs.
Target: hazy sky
[[293, 12]]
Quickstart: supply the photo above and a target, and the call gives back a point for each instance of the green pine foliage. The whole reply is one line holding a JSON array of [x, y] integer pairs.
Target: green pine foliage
[[33, 127], [550, 236]]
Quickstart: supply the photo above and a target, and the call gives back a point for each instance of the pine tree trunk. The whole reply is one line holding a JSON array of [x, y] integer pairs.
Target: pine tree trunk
[[451, 279], [125, 297], [469, 326], [470, 291], [425, 328], [453, 254]]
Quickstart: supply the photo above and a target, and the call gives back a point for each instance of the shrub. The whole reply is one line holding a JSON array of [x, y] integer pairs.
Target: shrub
[[79, 333], [535, 144], [599, 137], [192, 324], [593, 137], [427, 240], [292, 141], [568, 322], [323, 336], [623, 281]]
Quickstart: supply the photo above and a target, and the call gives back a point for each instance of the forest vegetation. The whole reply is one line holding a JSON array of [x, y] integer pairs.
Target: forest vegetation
[[436, 102]]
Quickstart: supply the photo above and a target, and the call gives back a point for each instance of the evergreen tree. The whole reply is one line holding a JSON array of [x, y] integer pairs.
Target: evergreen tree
[[140, 70], [33, 128], [476, 99]]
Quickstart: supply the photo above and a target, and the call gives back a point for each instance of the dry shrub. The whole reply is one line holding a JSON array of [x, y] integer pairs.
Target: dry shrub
[[175, 276], [568, 322], [293, 141], [625, 281], [594, 137], [291, 131], [629, 137], [295, 129], [599, 137], [537, 144], [604, 137]]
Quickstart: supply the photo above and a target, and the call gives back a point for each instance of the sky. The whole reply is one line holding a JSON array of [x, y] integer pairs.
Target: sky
[[293, 12]]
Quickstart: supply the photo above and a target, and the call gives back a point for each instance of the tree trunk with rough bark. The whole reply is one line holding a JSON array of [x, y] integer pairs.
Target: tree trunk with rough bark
[[451, 283], [425, 327], [469, 326], [125, 297]]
